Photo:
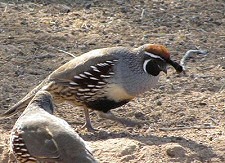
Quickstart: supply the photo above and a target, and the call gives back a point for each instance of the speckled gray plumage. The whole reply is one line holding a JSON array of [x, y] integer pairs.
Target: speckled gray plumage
[[127, 69], [122, 78]]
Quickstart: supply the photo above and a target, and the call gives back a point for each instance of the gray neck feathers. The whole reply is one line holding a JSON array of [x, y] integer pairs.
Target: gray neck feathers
[[133, 78]]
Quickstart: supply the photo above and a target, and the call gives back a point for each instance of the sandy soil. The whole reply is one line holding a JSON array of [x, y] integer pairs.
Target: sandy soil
[[185, 113]]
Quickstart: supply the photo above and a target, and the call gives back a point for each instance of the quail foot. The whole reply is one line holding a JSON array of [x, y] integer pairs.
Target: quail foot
[[39, 136], [104, 79]]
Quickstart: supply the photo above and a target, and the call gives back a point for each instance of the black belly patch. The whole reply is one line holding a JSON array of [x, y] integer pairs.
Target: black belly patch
[[105, 104]]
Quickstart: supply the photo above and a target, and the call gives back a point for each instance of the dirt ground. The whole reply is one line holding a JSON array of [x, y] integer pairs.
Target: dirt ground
[[185, 113]]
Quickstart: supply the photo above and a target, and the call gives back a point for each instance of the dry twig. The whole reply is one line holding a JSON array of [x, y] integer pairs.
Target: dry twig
[[188, 55], [66, 53], [142, 13], [60, 50]]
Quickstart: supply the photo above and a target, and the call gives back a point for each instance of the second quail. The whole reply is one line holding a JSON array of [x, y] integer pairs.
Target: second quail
[[39, 136]]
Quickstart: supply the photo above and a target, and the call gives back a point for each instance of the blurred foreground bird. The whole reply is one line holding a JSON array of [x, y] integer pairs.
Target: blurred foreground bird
[[104, 79], [39, 136]]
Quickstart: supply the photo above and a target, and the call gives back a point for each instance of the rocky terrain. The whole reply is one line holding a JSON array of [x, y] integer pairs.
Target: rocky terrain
[[185, 114]]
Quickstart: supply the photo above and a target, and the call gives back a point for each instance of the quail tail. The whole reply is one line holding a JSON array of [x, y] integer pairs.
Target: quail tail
[[22, 104]]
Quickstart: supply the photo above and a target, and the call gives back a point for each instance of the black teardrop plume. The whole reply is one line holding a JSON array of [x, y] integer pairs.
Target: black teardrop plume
[[176, 65]]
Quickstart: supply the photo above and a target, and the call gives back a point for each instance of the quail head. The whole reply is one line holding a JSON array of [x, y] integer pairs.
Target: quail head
[[39, 136], [104, 79]]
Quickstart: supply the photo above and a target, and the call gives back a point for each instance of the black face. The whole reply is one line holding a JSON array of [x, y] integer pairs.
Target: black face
[[154, 66]]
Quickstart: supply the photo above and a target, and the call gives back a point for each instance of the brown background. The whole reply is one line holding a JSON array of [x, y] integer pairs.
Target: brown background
[[31, 32]]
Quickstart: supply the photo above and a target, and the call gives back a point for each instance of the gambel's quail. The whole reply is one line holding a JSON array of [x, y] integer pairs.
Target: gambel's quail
[[39, 136], [104, 79]]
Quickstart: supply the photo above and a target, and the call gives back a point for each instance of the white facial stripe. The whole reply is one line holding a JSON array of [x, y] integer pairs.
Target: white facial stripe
[[153, 55], [144, 65]]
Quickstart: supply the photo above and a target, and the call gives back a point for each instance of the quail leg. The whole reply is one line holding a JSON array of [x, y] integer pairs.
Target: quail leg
[[111, 116], [88, 121]]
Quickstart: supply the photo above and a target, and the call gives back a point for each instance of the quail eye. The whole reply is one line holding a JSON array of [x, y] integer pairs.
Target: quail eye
[[151, 67]]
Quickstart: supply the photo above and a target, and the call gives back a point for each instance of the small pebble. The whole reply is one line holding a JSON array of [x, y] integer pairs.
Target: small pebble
[[175, 150], [159, 103]]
